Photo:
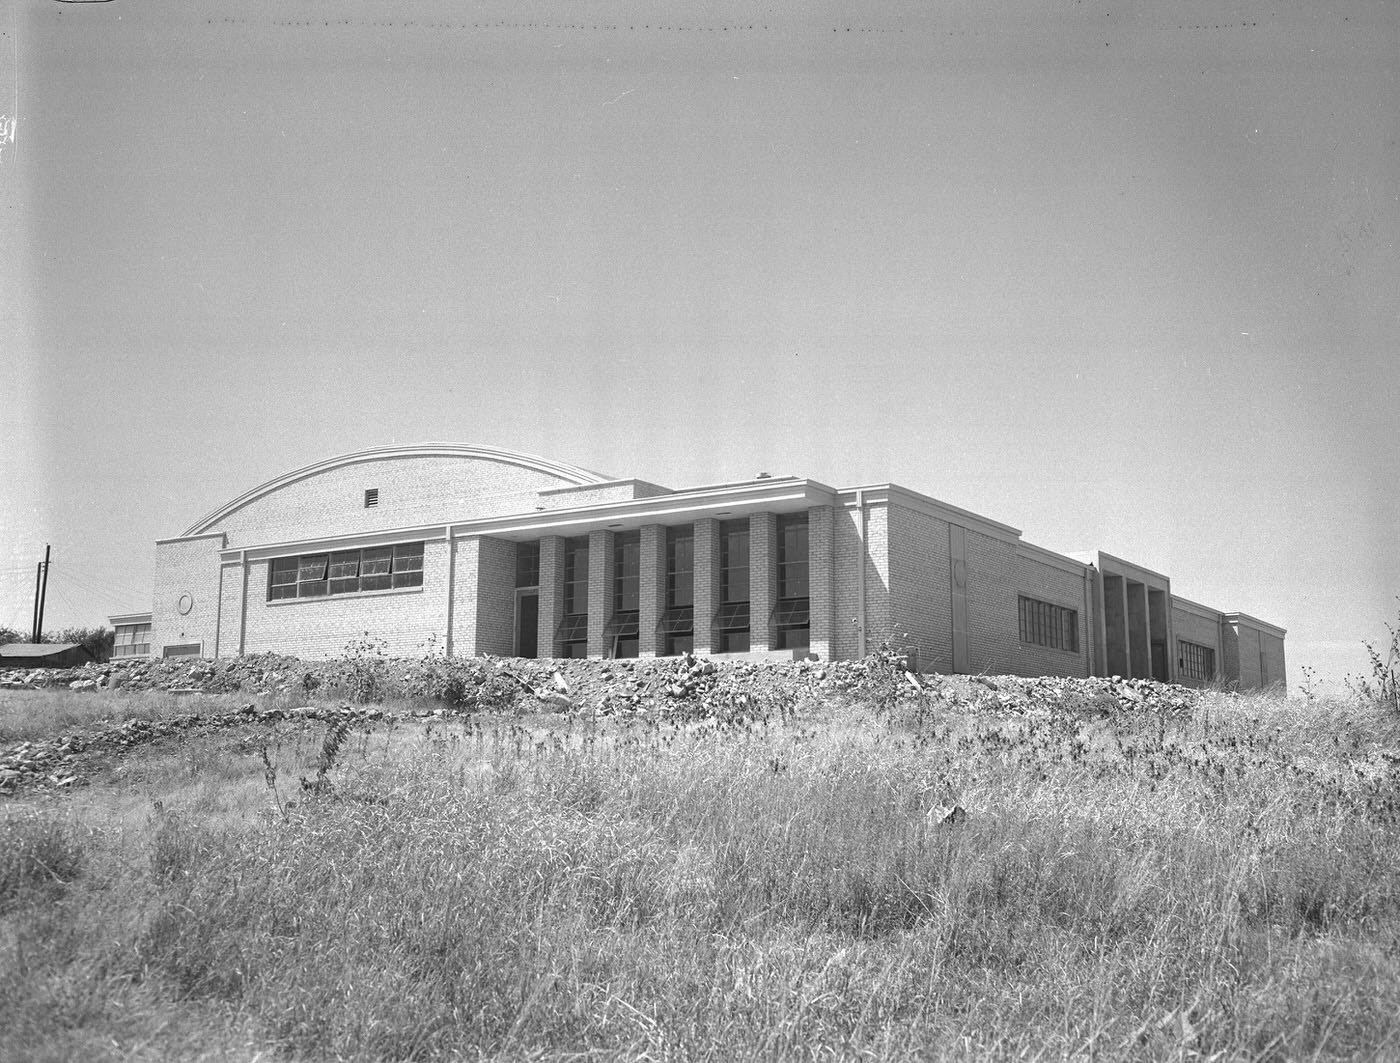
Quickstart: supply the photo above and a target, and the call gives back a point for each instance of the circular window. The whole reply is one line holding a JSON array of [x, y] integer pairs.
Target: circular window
[[185, 604]]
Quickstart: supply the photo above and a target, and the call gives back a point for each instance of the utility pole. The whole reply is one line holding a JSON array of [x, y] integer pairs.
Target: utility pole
[[34, 613], [43, 593]]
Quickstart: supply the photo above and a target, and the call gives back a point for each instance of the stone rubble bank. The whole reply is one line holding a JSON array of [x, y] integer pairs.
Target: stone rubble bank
[[686, 687]]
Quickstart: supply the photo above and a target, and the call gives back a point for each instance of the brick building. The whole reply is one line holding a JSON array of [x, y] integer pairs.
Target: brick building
[[478, 550]]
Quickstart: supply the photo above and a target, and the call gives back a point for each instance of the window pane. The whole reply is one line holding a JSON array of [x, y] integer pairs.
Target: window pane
[[680, 567], [408, 558], [313, 567], [344, 566], [527, 564], [376, 561]]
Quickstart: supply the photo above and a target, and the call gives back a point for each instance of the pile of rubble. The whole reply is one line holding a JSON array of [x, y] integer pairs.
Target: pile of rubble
[[699, 685], [686, 687], [51, 763]]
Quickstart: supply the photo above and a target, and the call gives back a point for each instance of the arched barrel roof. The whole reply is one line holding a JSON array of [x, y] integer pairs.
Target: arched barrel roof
[[565, 474]]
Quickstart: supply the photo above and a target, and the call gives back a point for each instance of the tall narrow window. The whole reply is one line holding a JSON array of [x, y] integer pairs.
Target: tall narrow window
[[732, 620], [627, 586], [678, 622], [527, 564], [792, 614], [573, 633]]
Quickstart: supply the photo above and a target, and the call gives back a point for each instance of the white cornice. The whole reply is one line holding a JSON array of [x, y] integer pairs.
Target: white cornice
[[1254, 622], [1049, 557], [932, 507], [1186, 605], [1119, 567], [754, 496]]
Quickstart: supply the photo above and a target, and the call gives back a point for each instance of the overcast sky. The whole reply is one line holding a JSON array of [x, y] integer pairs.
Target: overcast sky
[[1122, 275]]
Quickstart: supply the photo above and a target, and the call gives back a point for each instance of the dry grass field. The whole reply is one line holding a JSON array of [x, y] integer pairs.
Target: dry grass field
[[1210, 885]]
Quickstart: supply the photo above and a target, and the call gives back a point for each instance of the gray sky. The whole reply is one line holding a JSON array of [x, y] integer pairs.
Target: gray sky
[[1122, 275]]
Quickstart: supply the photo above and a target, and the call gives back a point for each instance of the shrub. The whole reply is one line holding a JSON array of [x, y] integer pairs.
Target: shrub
[[37, 851]]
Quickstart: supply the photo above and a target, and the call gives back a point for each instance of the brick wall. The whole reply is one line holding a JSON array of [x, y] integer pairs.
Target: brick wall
[[187, 567], [495, 598], [593, 495], [820, 528], [706, 582], [994, 644], [921, 585], [873, 554], [230, 611], [1047, 582], [1248, 676], [1190, 625], [412, 491], [551, 593], [652, 591], [1275, 667], [602, 563], [317, 628]]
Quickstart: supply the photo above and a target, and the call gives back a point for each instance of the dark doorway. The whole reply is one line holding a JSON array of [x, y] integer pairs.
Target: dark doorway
[[1159, 661], [527, 624]]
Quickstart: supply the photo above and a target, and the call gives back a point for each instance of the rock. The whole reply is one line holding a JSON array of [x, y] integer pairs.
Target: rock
[[83, 684]]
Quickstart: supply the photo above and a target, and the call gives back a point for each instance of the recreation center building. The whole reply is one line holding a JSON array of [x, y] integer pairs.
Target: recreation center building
[[474, 550]]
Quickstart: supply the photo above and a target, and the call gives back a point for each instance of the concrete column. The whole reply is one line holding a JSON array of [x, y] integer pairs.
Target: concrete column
[[821, 553], [601, 565], [653, 591], [1159, 629], [763, 579], [1139, 631], [551, 594], [706, 582], [1115, 624]]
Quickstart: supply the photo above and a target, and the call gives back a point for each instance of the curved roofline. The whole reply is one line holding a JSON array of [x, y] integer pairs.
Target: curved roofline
[[571, 474]]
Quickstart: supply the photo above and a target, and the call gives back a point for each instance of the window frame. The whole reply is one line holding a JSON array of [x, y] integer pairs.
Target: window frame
[[1046, 625], [397, 567]]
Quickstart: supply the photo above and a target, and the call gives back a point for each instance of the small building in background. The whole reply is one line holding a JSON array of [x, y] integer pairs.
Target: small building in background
[[45, 655]]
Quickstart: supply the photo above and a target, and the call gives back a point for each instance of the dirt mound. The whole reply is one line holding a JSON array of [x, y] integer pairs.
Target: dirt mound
[[687, 687]]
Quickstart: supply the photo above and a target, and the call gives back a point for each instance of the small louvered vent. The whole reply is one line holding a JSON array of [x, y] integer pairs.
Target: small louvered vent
[[371, 498]]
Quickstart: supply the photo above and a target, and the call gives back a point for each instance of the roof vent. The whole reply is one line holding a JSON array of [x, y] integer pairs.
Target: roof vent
[[764, 476], [371, 498]]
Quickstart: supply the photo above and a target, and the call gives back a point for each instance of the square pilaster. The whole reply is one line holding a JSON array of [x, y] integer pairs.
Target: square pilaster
[[821, 545], [601, 566], [653, 590], [763, 579], [551, 594], [706, 582]]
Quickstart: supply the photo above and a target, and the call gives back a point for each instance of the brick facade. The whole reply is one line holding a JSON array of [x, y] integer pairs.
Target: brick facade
[[885, 565], [652, 602]]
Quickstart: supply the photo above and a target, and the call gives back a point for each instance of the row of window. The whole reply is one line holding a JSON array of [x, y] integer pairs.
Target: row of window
[[1046, 624], [1194, 661], [132, 640], [375, 568]]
